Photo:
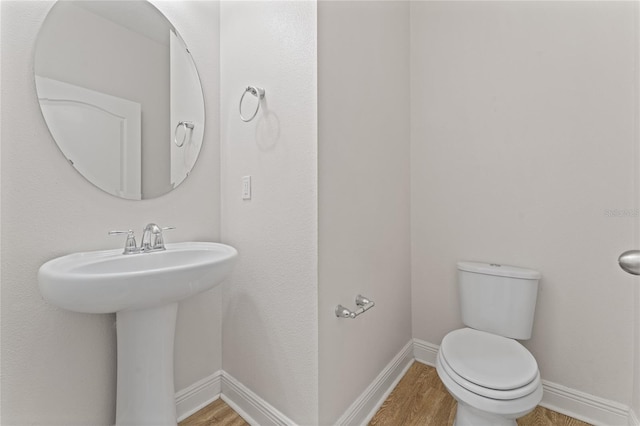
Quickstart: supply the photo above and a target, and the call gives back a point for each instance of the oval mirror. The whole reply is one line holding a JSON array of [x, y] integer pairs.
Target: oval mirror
[[120, 94]]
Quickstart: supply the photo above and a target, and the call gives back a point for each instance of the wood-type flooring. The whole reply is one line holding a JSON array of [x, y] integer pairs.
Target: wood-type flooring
[[419, 399], [216, 413]]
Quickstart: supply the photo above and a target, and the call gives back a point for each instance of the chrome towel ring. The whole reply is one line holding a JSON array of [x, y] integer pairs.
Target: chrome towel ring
[[258, 92], [187, 125]]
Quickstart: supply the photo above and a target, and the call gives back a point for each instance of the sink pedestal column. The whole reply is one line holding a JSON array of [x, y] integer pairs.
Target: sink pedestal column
[[145, 392]]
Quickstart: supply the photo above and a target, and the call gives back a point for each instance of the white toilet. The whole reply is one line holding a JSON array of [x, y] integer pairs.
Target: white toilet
[[493, 377]]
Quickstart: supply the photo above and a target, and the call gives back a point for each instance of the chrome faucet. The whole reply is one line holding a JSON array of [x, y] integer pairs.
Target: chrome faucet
[[152, 239], [152, 232]]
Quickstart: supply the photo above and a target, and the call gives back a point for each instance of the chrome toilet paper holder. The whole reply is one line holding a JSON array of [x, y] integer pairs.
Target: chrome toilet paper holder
[[363, 303]]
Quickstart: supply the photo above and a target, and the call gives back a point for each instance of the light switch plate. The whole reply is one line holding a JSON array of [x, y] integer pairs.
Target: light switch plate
[[246, 187]]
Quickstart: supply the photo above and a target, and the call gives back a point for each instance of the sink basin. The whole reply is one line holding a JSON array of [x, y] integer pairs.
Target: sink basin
[[143, 290], [108, 281]]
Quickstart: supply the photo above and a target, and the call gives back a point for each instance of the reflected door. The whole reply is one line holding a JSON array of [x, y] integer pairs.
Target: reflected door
[[100, 130]]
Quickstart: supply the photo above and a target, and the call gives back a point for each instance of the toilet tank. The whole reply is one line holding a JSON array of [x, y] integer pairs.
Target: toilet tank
[[498, 299]]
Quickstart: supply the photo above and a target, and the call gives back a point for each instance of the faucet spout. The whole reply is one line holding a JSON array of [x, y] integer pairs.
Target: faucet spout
[[152, 238]]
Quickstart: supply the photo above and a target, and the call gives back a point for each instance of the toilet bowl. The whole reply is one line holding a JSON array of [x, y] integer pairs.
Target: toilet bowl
[[494, 379]]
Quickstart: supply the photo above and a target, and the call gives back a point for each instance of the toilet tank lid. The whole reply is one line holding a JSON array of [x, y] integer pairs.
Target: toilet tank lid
[[499, 270]]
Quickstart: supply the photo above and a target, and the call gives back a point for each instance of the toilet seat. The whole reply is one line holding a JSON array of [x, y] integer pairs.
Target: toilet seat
[[510, 409], [488, 392], [504, 403], [489, 365]]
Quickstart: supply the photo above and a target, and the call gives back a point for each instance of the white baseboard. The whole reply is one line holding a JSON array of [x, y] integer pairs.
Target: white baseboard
[[583, 406], [258, 412], [368, 403], [255, 410], [425, 352], [571, 402], [198, 395]]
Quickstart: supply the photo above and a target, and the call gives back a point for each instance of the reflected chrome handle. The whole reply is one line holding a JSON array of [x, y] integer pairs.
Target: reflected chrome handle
[[630, 261]]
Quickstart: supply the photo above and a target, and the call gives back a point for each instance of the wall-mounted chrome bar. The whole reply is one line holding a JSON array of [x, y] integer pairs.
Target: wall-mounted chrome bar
[[363, 303]]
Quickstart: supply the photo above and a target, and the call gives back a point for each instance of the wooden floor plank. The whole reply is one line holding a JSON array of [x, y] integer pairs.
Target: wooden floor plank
[[422, 400], [419, 399], [216, 413], [543, 417]]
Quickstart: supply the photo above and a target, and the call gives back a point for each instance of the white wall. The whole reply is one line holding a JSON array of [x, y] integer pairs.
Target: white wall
[[522, 126], [363, 185], [270, 320], [58, 367]]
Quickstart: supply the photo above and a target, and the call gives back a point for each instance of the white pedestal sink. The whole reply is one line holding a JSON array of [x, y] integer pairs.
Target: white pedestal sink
[[143, 290]]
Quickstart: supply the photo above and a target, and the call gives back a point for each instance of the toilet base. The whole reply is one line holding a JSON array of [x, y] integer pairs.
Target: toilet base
[[466, 415]]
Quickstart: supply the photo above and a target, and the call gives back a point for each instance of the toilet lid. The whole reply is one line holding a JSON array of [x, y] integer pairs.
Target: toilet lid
[[488, 360]]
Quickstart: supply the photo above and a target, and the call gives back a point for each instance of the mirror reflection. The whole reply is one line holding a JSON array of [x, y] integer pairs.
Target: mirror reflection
[[120, 94]]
